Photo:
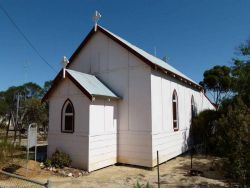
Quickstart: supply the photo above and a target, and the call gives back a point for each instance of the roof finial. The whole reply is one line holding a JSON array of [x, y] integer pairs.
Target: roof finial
[[96, 18], [64, 64]]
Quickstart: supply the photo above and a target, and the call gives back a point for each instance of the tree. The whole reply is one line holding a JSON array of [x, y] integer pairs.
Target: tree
[[34, 112], [232, 139], [31, 89], [241, 73], [30, 107], [3, 111], [245, 48], [217, 81], [3, 105], [228, 128], [8, 98], [46, 86]]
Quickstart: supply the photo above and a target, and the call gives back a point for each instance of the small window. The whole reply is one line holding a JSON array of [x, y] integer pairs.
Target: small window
[[193, 108], [175, 111], [68, 117]]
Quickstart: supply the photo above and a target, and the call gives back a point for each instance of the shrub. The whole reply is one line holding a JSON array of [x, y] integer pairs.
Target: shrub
[[226, 133], [138, 185], [233, 141], [48, 163], [59, 159], [202, 129]]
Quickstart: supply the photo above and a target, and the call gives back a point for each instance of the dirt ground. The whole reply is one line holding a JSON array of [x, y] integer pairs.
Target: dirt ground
[[173, 173]]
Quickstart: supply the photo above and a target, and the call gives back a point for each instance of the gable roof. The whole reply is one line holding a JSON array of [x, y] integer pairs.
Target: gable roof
[[90, 85], [153, 59], [149, 59]]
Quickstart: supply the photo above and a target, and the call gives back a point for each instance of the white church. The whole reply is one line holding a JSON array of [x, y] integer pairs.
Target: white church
[[115, 103]]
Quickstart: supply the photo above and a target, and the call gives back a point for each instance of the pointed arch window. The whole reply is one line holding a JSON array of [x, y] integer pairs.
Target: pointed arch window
[[175, 111], [193, 107], [68, 116]]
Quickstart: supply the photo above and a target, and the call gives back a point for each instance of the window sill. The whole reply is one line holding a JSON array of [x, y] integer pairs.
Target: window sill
[[67, 132]]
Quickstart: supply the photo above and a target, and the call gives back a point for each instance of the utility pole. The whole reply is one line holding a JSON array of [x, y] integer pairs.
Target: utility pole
[[17, 107], [17, 111]]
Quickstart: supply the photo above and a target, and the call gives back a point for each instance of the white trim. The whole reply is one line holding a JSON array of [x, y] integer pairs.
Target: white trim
[[175, 101], [64, 114]]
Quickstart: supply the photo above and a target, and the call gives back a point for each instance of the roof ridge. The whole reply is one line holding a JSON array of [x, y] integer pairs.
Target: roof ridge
[[154, 62], [149, 54]]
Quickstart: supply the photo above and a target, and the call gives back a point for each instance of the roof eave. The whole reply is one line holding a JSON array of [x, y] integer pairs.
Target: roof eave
[[106, 97], [90, 96], [178, 77], [148, 62], [53, 86], [79, 48], [84, 91], [151, 64], [58, 78]]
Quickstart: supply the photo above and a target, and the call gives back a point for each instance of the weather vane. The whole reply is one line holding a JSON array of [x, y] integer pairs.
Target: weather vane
[[96, 18]]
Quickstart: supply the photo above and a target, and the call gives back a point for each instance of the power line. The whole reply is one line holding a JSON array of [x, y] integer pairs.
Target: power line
[[25, 37]]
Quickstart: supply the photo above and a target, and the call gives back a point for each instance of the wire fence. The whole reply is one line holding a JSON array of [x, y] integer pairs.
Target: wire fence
[[13, 157], [198, 149], [8, 180]]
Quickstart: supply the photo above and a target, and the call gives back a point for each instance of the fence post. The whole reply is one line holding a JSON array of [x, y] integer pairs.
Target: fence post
[[191, 156], [158, 169], [48, 184]]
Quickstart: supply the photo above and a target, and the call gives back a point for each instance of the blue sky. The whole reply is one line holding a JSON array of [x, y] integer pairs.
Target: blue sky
[[194, 34]]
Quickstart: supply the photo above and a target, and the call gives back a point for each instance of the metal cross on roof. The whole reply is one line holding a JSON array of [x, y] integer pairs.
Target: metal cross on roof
[[96, 18]]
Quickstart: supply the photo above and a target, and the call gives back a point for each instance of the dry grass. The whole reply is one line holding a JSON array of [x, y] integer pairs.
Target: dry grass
[[173, 173]]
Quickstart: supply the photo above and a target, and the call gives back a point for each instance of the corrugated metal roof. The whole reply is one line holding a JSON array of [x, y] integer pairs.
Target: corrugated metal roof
[[91, 84], [153, 59]]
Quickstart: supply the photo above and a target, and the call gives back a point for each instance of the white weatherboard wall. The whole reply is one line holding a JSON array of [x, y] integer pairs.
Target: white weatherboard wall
[[75, 144], [168, 142], [93, 144], [129, 130], [103, 134], [128, 77]]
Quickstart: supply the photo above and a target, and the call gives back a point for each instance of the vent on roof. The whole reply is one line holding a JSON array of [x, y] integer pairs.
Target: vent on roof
[[165, 59]]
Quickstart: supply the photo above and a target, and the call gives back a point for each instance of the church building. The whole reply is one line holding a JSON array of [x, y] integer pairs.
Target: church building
[[116, 103]]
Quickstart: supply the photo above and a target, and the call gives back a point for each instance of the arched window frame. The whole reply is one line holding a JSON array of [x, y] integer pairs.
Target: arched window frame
[[175, 111], [193, 108], [64, 114]]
